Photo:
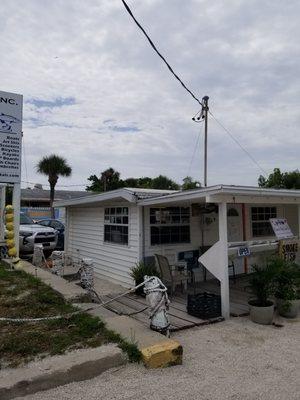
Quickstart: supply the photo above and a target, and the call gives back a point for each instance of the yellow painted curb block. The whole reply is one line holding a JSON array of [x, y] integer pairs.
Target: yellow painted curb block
[[19, 264], [162, 354]]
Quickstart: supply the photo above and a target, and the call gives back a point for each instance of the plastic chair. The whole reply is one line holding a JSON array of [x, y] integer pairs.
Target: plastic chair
[[169, 275]]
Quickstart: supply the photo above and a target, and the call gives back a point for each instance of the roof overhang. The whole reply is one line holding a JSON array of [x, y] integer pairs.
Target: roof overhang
[[228, 194], [95, 199]]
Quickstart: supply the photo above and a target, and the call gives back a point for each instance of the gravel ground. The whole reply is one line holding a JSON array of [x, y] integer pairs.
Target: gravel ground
[[233, 360]]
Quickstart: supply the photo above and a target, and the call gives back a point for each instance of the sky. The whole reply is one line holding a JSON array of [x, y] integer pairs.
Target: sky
[[97, 94]]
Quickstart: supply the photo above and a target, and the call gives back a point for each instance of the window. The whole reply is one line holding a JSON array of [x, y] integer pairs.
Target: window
[[169, 225], [260, 220], [116, 225], [44, 223]]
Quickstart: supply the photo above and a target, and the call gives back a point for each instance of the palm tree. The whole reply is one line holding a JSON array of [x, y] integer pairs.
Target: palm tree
[[53, 166]]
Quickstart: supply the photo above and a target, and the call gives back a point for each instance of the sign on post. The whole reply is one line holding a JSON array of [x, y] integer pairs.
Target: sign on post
[[281, 228], [289, 250], [10, 137]]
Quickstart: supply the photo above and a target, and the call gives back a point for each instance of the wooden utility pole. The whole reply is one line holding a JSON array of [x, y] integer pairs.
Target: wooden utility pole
[[205, 113]]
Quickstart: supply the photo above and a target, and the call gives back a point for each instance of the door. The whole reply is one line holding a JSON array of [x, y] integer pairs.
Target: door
[[234, 223], [235, 233]]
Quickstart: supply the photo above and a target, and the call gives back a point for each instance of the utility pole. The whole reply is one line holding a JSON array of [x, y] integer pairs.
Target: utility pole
[[205, 113]]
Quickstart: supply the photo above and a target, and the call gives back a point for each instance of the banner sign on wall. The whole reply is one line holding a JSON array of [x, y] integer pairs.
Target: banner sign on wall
[[11, 105], [281, 228], [289, 250]]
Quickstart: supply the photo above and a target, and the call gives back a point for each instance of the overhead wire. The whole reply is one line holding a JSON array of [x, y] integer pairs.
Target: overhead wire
[[47, 184], [190, 92], [186, 88], [238, 143], [195, 148], [158, 53]]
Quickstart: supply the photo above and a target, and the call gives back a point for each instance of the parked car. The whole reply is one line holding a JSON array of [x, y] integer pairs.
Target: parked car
[[32, 233], [59, 227]]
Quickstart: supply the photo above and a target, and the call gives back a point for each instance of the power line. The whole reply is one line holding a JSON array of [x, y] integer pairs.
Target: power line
[[189, 91], [195, 148], [158, 53], [47, 184], [238, 143]]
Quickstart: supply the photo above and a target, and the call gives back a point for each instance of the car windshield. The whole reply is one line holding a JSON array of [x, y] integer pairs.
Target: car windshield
[[25, 220]]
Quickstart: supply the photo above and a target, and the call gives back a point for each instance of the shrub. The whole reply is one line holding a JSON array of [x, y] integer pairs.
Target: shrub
[[140, 270]]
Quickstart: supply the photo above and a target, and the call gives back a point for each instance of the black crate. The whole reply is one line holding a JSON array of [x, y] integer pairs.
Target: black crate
[[204, 305]]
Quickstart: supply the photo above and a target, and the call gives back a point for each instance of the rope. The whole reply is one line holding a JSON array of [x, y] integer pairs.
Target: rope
[[38, 319], [103, 304]]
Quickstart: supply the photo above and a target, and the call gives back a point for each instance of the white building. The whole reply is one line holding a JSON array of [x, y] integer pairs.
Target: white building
[[119, 228]]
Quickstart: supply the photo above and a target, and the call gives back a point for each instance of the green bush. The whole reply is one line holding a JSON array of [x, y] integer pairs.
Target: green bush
[[141, 269], [286, 280], [261, 284], [279, 277]]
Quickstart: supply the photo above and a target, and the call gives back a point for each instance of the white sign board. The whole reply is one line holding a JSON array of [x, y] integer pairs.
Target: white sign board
[[11, 105], [281, 228]]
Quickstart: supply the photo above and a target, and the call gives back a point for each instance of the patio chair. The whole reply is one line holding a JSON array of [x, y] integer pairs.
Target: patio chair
[[171, 276]]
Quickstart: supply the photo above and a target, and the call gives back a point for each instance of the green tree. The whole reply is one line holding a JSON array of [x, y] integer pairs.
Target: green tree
[[109, 180], [53, 166], [291, 179], [145, 182], [189, 183], [131, 182], [164, 183], [281, 180]]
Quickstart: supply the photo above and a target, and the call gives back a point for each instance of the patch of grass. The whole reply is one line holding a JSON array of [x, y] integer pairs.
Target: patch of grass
[[22, 295]]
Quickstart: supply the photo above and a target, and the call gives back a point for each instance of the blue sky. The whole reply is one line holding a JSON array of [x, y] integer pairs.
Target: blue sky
[[95, 92]]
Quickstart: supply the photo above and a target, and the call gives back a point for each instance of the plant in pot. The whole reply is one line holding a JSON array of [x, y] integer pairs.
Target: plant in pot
[[261, 285], [287, 288], [138, 272]]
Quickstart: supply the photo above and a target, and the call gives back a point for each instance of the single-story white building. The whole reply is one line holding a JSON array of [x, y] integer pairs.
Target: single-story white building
[[121, 227]]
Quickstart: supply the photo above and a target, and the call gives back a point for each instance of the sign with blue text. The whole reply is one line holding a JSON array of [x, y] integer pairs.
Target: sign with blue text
[[281, 228], [11, 106]]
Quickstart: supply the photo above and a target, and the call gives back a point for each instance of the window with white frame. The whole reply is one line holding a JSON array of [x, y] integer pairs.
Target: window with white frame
[[169, 225], [116, 225], [260, 217]]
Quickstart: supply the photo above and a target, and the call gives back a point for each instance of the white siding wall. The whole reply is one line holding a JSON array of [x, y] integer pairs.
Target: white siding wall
[[86, 237]]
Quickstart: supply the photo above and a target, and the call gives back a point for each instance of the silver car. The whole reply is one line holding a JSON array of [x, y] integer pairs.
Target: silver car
[[32, 233]]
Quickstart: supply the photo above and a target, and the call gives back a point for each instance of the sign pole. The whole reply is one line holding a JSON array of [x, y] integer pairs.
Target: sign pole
[[11, 110], [16, 205], [2, 211]]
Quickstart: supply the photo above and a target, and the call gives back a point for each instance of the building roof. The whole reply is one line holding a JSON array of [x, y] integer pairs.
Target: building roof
[[128, 194], [211, 194], [230, 194], [43, 195]]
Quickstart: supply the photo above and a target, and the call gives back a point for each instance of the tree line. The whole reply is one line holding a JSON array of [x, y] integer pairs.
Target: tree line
[[280, 180], [110, 179]]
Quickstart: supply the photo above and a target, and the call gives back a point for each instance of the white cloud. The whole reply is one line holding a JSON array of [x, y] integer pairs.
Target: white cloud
[[244, 55]]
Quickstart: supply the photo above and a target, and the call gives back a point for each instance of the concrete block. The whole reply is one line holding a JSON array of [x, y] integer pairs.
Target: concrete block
[[163, 354]]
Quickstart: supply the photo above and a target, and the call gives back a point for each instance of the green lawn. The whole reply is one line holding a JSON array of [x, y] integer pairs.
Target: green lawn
[[24, 296]]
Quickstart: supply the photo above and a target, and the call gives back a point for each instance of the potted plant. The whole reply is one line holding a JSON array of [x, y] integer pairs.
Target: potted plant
[[138, 272], [261, 285], [287, 288]]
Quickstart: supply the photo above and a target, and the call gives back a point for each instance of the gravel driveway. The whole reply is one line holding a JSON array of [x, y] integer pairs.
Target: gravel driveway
[[233, 360]]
